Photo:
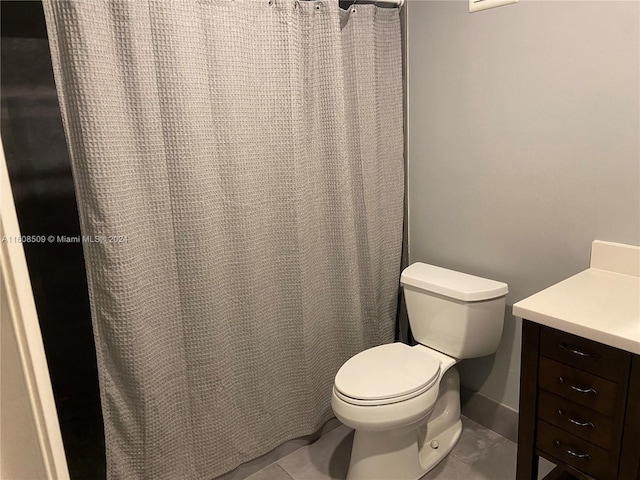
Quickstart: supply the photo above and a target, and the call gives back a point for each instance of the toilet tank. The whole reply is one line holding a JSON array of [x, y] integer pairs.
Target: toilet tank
[[458, 314]]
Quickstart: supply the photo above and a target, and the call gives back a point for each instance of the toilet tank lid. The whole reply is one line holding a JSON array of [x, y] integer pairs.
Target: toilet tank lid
[[450, 283]]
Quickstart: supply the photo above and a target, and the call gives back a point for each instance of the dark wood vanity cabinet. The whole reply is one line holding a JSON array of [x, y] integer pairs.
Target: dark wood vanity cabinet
[[579, 407]]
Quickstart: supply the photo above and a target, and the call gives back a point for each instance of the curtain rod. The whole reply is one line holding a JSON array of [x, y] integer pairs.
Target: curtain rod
[[388, 3], [394, 3]]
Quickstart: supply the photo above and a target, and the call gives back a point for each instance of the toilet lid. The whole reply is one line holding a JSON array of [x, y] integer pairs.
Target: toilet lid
[[387, 372]]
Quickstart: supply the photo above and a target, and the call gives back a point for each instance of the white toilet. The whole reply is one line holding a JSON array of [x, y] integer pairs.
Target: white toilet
[[404, 402]]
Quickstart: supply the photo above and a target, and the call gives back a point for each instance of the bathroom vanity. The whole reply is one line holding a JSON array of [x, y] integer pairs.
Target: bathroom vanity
[[580, 372]]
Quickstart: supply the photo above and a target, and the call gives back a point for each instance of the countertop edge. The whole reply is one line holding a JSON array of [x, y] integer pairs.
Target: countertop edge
[[615, 266], [596, 335]]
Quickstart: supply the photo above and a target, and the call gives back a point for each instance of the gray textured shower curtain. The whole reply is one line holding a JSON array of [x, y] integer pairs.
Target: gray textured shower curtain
[[240, 165]]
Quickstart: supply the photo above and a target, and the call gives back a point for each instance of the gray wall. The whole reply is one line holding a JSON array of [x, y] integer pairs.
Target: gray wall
[[524, 146]]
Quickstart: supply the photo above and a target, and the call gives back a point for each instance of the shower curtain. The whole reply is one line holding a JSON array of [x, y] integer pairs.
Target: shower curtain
[[239, 173]]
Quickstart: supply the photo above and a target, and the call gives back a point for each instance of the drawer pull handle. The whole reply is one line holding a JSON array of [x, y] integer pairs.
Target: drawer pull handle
[[576, 422], [585, 390], [581, 456], [574, 351]]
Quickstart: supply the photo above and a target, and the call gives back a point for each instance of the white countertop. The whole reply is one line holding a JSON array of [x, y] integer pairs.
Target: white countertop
[[597, 304]]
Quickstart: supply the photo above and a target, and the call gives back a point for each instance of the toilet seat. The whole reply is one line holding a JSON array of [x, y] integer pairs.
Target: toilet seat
[[386, 374]]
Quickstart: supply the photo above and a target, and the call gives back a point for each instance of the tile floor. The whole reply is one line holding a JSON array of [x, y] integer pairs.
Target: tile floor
[[481, 454]]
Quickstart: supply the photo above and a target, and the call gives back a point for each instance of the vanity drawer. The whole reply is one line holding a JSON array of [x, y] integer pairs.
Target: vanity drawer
[[575, 419], [573, 451], [593, 357], [588, 390]]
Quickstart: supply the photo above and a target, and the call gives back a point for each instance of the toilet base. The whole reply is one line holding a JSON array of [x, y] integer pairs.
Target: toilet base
[[408, 453]]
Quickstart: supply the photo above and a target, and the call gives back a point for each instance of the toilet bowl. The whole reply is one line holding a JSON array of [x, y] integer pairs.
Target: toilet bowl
[[388, 442], [404, 401]]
